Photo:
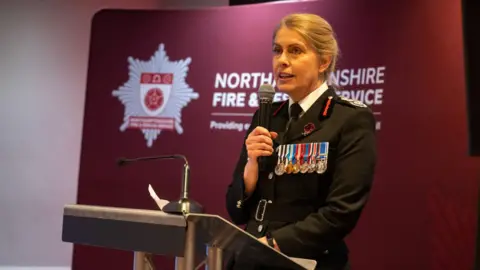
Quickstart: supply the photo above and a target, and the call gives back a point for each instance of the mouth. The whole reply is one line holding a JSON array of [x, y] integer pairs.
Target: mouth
[[284, 75]]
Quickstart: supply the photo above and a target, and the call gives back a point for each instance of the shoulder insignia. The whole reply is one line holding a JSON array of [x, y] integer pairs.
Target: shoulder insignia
[[327, 107], [353, 102]]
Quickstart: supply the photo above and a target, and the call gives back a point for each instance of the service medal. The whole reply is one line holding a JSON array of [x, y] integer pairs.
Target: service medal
[[321, 166], [322, 157], [297, 163], [303, 158], [289, 168], [304, 168], [312, 165], [280, 168], [296, 168], [289, 159]]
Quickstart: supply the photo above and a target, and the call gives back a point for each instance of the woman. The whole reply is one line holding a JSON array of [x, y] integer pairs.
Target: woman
[[320, 153]]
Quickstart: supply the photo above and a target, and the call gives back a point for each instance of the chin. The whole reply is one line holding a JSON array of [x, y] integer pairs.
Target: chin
[[286, 88]]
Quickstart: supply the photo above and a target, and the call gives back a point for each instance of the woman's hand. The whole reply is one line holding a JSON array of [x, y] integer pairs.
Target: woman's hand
[[258, 143], [264, 241]]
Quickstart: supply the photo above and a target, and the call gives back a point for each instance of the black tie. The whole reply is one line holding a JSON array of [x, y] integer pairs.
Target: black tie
[[295, 111]]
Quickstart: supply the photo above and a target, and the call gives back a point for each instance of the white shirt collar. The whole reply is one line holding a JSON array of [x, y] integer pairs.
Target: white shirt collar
[[308, 101]]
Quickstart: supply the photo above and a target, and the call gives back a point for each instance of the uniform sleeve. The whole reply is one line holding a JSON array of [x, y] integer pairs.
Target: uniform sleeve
[[238, 205], [352, 179]]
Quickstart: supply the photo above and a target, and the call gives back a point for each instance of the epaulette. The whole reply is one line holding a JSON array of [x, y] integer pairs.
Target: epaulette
[[350, 102]]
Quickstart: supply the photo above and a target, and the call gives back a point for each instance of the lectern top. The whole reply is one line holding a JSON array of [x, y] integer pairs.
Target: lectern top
[[125, 214]]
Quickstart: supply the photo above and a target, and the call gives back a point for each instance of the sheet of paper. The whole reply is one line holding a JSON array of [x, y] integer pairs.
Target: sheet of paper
[[306, 263], [160, 202]]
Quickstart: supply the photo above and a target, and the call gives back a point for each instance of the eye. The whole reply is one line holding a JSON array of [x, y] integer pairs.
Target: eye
[[296, 50], [276, 50]]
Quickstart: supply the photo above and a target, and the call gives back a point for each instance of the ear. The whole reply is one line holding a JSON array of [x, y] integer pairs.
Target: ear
[[324, 63]]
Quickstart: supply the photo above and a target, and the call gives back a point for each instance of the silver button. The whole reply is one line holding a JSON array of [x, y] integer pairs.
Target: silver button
[[239, 204], [260, 227], [325, 252], [270, 175]]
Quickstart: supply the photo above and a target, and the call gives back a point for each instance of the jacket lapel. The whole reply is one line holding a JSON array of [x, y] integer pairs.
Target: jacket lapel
[[312, 120], [279, 122]]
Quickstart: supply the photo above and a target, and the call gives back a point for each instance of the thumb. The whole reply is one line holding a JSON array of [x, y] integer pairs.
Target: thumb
[[273, 134]]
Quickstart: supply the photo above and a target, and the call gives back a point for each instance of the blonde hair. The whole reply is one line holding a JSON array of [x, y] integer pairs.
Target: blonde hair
[[317, 32]]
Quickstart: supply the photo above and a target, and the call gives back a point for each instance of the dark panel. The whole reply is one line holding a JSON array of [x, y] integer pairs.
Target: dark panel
[[471, 35], [123, 235], [472, 71]]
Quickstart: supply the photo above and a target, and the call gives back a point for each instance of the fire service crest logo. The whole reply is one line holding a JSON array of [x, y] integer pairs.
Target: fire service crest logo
[[155, 94]]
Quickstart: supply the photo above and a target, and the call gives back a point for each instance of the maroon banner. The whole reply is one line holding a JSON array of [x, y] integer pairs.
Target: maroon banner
[[185, 82]]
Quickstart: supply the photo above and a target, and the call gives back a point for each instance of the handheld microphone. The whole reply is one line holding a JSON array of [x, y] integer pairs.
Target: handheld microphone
[[183, 205], [266, 92]]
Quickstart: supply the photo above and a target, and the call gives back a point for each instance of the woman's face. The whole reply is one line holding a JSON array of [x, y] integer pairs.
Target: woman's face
[[296, 66]]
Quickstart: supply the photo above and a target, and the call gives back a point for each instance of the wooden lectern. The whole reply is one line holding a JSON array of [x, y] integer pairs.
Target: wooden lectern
[[186, 237]]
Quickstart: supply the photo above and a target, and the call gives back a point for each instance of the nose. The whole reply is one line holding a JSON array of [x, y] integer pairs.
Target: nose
[[283, 60]]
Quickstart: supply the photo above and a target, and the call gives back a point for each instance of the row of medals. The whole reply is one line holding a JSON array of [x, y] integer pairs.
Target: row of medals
[[294, 158]]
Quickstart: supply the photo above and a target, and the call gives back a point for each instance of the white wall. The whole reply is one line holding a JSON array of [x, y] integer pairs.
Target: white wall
[[43, 66]]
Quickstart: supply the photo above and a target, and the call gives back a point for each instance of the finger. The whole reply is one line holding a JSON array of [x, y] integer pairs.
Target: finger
[[258, 153], [274, 134], [260, 131], [263, 140], [260, 139], [259, 146]]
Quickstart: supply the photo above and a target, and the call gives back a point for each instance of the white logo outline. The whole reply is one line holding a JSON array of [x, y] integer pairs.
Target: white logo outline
[[178, 96]]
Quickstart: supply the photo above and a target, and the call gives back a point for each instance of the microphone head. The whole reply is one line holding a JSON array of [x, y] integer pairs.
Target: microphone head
[[266, 91]]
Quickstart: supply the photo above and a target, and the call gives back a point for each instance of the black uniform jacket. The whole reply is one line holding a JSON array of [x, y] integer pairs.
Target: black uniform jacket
[[309, 214]]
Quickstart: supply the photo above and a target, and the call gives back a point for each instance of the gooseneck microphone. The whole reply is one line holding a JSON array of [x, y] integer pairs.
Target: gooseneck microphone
[[183, 205], [125, 161], [266, 92]]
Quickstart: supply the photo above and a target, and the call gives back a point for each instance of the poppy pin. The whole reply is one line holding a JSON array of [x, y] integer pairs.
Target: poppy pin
[[308, 128]]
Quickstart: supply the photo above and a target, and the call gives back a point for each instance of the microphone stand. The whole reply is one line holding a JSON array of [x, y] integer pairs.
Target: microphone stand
[[184, 204]]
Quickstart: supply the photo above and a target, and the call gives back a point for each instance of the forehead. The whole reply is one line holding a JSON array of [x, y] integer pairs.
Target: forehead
[[287, 37]]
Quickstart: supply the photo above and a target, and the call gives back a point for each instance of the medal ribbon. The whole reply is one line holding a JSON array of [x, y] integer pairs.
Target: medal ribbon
[[323, 149], [287, 155], [320, 150], [306, 152], [292, 153], [296, 150], [312, 153], [279, 153], [313, 157], [301, 153]]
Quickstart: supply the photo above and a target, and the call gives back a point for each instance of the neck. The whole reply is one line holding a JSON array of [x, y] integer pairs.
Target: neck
[[299, 95]]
